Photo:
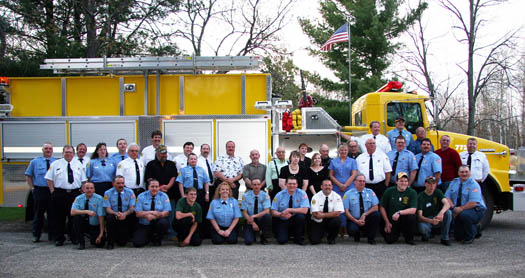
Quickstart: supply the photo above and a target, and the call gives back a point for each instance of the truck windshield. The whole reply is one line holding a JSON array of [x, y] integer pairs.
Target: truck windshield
[[410, 111]]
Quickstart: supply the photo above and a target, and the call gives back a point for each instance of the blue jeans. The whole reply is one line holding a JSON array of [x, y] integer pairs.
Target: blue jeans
[[426, 228], [465, 223], [263, 223], [171, 217]]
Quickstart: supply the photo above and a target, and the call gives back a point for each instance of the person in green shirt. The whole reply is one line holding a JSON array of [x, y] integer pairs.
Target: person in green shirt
[[398, 209], [188, 216], [433, 212]]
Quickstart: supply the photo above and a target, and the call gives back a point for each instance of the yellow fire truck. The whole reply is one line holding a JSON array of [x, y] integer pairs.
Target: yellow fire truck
[[103, 99]]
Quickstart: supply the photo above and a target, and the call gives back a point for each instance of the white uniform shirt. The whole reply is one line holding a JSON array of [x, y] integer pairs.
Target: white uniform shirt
[[126, 168], [58, 174], [335, 203], [147, 155], [181, 161], [382, 142], [381, 166], [201, 162], [85, 161], [479, 164]]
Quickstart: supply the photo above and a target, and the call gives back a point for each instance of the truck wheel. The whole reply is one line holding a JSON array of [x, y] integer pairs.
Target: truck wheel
[[488, 197]]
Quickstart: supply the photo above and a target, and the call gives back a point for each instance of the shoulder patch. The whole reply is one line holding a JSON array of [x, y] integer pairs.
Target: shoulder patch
[[119, 165], [268, 197], [167, 200], [106, 197], [305, 196], [313, 202], [243, 199], [133, 196], [275, 199], [475, 190], [344, 197]]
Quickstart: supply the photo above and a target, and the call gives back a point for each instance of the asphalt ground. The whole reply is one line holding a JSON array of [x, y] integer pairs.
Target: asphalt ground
[[499, 252]]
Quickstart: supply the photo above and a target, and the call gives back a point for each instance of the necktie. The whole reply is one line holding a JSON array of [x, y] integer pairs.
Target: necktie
[[81, 160], [137, 173], [195, 178], [371, 169], [122, 157], [325, 206], [103, 162], [224, 202], [419, 166], [458, 200], [374, 137], [469, 160], [400, 133], [209, 171], [70, 178], [86, 207], [47, 164], [119, 203], [394, 167], [152, 203], [256, 205], [361, 204], [290, 202]]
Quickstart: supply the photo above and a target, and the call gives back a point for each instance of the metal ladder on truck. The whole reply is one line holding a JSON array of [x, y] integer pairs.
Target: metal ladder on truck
[[146, 65]]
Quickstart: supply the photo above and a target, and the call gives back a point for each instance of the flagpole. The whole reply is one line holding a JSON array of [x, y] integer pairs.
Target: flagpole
[[349, 70]]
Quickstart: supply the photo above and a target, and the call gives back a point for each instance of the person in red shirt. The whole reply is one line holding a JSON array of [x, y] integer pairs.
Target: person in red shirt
[[450, 162]]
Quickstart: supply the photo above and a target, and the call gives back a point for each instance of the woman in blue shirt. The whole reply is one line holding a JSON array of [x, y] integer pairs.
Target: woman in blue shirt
[[343, 170], [101, 170], [224, 214]]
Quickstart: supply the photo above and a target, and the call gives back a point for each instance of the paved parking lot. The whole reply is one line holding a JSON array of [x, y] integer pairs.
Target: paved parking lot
[[500, 252]]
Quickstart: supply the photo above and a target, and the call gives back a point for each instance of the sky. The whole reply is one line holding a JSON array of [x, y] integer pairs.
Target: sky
[[446, 52]]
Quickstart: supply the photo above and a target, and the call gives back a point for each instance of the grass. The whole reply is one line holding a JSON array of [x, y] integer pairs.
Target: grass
[[12, 214]]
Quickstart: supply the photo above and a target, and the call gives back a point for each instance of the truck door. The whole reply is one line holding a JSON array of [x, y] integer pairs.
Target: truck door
[[411, 111]]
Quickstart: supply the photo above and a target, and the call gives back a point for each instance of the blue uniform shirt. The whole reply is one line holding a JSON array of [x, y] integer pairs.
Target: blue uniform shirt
[[96, 172], [406, 162], [248, 201], [186, 177], [95, 204], [117, 157], [392, 135], [470, 192], [162, 203], [224, 214], [342, 171], [431, 164], [281, 200], [37, 170], [415, 146], [111, 199], [351, 201]]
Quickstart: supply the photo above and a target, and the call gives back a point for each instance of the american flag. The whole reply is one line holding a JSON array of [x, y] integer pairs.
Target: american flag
[[341, 35]]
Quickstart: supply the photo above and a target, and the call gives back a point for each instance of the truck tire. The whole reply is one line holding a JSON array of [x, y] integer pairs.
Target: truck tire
[[488, 197]]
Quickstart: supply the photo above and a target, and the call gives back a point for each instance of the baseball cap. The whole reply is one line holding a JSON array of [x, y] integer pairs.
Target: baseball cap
[[402, 174], [162, 149]]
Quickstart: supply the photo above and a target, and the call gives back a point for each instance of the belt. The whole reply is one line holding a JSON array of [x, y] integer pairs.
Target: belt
[[41, 187], [67, 190]]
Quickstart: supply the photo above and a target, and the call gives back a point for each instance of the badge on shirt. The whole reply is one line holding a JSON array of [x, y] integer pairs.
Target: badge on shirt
[[344, 197], [194, 212], [405, 200], [429, 205]]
